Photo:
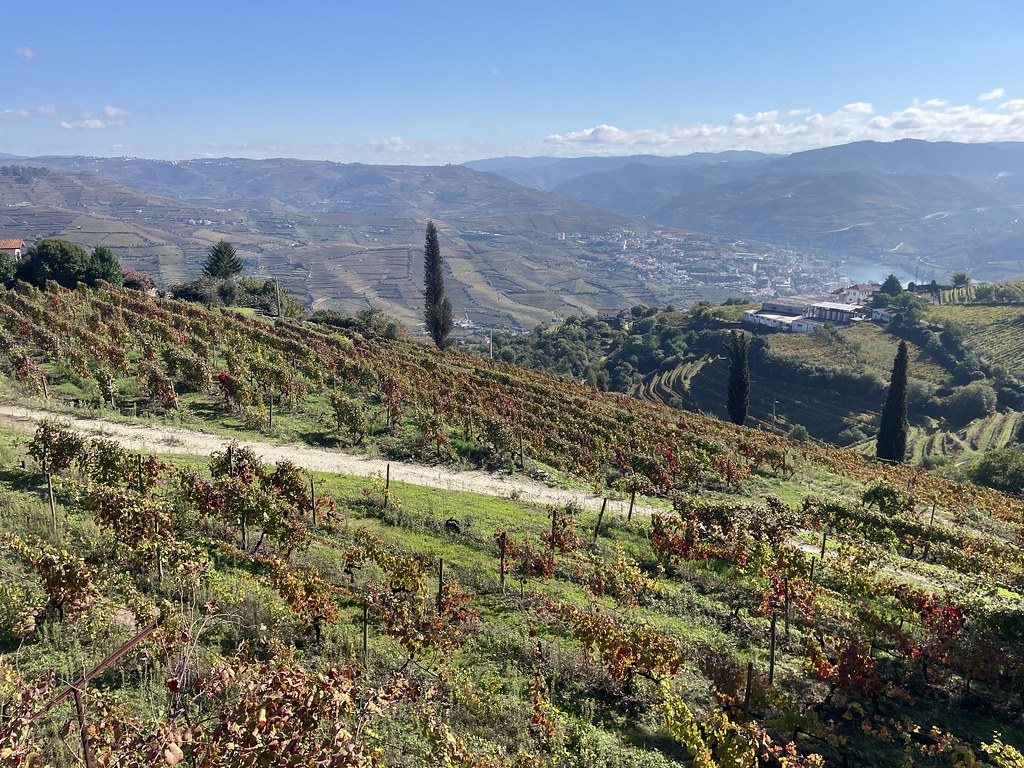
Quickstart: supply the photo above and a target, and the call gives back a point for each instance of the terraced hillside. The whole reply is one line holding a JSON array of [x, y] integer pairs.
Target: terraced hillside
[[783, 396], [996, 331], [701, 385], [865, 346], [374, 623], [506, 265], [784, 604]]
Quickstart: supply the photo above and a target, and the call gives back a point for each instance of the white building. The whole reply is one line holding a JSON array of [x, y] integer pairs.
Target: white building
[[860, 293], [12, 248]]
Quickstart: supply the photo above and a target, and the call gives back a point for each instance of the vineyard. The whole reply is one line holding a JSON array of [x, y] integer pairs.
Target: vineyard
[[926, 443], [787, 605], [865, 346], [995, 331], [773, 401]]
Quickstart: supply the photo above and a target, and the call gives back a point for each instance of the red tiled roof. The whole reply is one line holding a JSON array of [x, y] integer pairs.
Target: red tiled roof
[[9, 245]]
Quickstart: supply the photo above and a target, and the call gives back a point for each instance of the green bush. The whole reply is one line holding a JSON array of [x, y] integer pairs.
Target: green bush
[[975, 401], [1002, 469]]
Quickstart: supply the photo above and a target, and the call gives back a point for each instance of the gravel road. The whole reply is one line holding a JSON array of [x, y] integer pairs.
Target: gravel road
[[161, 439]]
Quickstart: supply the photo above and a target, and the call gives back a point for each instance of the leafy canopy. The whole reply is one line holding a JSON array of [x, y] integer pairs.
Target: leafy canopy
[[67, 264], [222, 262]]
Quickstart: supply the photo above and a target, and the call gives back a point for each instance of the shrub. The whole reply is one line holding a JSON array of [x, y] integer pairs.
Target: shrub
[[798, 433], [205, 290], [975, 401], [1002, 469]]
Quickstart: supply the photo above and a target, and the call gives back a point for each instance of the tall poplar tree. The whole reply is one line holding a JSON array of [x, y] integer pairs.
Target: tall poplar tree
[[437, 310], [739, 377], [891, 444]]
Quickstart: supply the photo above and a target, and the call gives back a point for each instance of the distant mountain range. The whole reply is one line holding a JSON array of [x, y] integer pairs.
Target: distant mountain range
[[548, 173], [920, 206], [342, 236], [531, 239]]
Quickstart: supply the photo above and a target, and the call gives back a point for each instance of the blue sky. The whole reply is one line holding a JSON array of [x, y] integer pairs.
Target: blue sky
[[416, 82]]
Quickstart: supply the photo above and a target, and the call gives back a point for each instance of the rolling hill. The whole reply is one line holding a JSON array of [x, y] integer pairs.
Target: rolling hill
[[924, 208], [341, 236]]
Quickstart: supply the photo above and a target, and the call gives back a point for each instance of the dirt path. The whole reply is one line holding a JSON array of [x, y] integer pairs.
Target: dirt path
[[160, 439]]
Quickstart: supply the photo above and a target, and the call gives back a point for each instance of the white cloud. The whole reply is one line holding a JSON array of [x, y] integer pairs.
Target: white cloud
[[88, 124], [46, 111], [13, 115], [90, 121], [394, 145], [785, 131], [995, 93], [25, 52]]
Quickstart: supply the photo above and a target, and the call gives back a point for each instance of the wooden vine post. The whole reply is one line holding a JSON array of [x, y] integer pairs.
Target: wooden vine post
[[771, 654], [231, 473], [366, 632], [632, 501], [156, 528], [75, 689], [440, 582], [600, 517], [824, 539], [746, 689], [785, 586], [554, 521], [501, 551], [312, 499], [82, 730], [53, 505], [928, 535]]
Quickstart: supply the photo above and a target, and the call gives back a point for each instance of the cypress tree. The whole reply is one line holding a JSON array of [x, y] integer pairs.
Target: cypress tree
[[739, 377], [437, 310], [222, 262], [891, 444]]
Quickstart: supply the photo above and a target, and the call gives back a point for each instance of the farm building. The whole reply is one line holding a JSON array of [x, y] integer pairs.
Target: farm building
[[12, 248], [804, 315]]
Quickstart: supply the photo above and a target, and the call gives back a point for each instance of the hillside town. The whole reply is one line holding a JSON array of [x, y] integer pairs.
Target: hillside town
[[747, 267]]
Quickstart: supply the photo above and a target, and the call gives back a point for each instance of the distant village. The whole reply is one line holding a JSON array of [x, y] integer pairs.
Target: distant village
[[757, 270]]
